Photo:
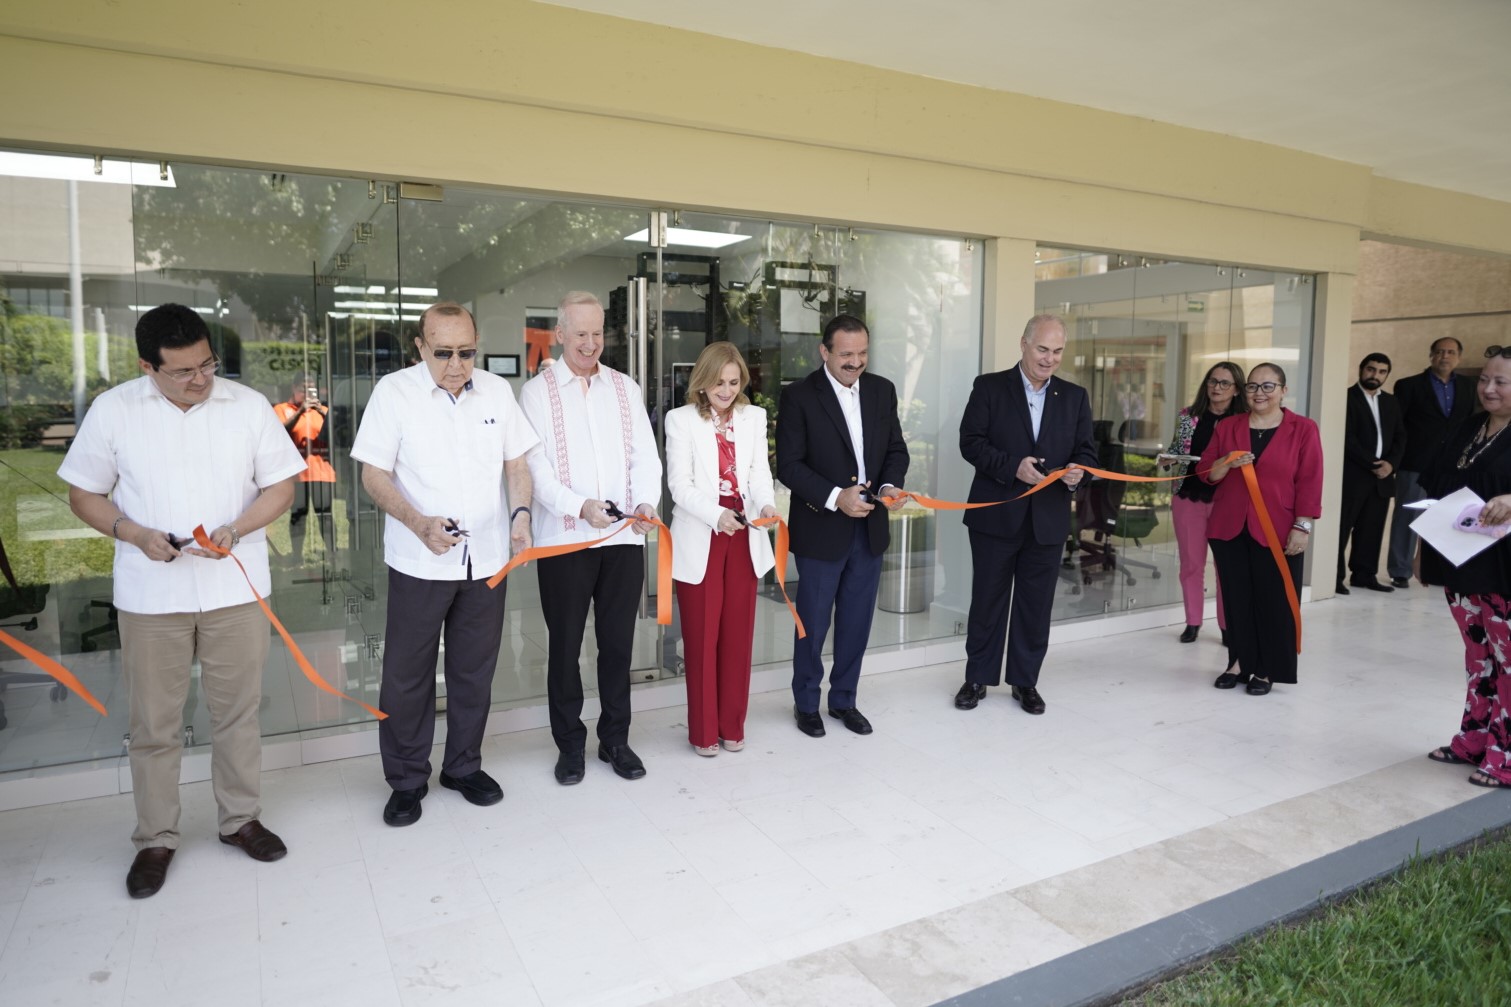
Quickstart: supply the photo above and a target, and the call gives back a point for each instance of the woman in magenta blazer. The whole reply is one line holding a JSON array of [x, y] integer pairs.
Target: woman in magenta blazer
[[719, 477], [1286, 452]]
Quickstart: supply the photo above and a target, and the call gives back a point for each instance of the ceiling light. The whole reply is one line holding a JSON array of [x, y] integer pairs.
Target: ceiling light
[[82, 169], [692, 238]]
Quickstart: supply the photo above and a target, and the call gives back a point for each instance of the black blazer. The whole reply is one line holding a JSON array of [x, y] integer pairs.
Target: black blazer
[[814, 455], [1359, 443], [996, 433], [1425, 423]]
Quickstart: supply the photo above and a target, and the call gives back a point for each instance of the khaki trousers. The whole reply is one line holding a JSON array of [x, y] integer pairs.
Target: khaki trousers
[[158, 652]]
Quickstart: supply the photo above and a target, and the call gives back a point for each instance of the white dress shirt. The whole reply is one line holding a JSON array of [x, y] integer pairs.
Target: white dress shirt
[[849, 405], [1035, 401], [171, 469], [447, 457], [593, 446], [1373, 398]]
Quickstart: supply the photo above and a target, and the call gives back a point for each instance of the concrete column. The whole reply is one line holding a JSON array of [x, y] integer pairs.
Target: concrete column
[[1007, 302], [1332, 373]]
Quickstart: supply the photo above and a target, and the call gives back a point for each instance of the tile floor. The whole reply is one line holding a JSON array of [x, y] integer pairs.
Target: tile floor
[[944, 851]]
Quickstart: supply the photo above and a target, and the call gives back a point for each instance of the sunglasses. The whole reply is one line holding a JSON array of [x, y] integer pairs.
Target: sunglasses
[[1498, 351], [446, 354]]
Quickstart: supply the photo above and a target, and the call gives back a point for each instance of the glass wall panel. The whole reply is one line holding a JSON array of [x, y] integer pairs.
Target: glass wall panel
[[311, 286], [1142, 335]]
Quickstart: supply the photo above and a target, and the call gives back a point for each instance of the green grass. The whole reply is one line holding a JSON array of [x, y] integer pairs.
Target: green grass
[[33, 509], [1436, 935]]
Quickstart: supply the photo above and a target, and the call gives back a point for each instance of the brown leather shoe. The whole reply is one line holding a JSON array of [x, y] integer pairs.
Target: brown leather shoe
[[148, 871], [257, 842]]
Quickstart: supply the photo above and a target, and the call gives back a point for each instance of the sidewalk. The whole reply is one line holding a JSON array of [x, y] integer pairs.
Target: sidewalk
[[947, 851]]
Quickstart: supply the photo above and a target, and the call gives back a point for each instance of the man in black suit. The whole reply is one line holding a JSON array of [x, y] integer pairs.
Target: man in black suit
[[839, 448], [1373, 442], [1018, 425], [1431, 404]]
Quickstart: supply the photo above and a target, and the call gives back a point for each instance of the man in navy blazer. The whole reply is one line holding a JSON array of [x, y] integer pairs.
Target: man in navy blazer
[[1018, 425], [839, 448]]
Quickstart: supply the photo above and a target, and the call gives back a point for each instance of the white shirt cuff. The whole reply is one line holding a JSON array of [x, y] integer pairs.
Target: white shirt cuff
[[833, 496]]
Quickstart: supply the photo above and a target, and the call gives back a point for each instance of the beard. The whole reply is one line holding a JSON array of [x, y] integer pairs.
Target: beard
[[1370, 383]]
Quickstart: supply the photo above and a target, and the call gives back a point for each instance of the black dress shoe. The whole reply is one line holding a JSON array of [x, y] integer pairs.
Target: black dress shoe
[[478, 788], [1341, 588], [1401, 582], [810, 724], [1230, 679], [624, 760], [1257, 687], [853, 719], [569, 768], [148, 871], [403, 807], [257, 841], [1028, 697], [969, 695], [1369, 584], [1189, 634]]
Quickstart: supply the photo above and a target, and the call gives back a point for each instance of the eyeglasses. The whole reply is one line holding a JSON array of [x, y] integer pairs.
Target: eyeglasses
[[1219, 384], [186, 375], [446, 354], [1268, 387], [1497, 351]]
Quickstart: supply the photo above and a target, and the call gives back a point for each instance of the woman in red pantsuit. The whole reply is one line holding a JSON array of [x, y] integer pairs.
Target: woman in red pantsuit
[[719, 477]]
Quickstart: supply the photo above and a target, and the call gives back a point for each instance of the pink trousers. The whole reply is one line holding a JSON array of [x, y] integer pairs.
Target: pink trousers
[[1190, 520]]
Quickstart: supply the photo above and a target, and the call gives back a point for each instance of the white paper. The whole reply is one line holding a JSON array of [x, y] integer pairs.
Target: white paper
[[1436, 525]]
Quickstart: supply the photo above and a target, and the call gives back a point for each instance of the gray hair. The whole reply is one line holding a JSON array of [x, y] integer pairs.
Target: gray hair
[[1036, 322], [574, 298]]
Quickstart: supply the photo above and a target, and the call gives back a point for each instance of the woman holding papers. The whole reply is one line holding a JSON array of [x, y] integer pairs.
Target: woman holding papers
[[1286, 453], [1476, 455], [1219, 394], [719, 477]]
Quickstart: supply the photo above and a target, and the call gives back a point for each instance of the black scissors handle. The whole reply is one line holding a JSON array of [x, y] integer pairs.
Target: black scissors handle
[[613, 511]]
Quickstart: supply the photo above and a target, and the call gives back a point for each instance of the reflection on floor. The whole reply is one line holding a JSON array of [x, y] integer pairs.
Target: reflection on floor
[[946, 850]]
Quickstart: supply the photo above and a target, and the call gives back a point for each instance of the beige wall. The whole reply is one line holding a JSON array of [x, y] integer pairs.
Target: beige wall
[[1406, 297], [532, 97]]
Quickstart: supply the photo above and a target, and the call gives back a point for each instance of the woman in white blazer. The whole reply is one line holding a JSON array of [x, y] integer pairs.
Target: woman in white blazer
[[716, 468]]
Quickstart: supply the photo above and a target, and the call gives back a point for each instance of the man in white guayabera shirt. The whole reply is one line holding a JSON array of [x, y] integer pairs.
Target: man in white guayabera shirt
[[154, 458], [440, 443], [597, 458]]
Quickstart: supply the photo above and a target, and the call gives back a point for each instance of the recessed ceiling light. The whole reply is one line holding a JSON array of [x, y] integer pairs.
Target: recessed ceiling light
[[692, 238]]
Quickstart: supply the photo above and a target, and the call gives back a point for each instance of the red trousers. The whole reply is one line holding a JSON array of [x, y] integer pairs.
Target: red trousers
[[718, 622]]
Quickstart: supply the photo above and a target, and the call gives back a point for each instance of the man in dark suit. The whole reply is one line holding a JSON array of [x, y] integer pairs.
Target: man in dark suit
[[1431, 404], [1373, 442], [1018, 425], [839, 448]]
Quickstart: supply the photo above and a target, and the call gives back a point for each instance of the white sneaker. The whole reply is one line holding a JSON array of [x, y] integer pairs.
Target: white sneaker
[[708, 752], [731, 746]]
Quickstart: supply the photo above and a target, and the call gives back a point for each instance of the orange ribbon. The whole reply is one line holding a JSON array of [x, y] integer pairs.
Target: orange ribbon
[[203, 539], [663, 562], [781, 567], [1251, 482], [64, 677]]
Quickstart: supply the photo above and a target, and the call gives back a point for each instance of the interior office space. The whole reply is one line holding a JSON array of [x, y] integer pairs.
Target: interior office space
[[309, 199]]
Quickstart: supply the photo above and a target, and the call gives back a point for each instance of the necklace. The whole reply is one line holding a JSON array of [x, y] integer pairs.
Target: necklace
[[1482, 441]]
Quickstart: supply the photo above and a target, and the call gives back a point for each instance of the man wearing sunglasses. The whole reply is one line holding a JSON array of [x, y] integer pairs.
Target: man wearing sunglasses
[[153, 459], [439, 443]]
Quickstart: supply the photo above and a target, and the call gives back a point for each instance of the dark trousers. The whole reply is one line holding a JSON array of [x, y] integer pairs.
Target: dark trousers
[[609, 579], [1261, 631], [315, 497], [1012, 596], [845, 589], [718, 623], [1362, 516], [419, 610]]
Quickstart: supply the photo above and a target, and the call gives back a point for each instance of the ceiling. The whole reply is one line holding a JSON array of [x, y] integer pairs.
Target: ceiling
[[1418, 91]]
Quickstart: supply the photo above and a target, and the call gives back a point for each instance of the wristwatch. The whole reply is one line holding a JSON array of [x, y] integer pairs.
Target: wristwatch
[[1303, 525]]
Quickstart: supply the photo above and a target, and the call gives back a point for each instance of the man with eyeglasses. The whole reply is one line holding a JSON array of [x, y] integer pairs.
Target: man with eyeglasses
[[154, 459], [1432, 403], [596, 466], [1374, 441], [440, 443]]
